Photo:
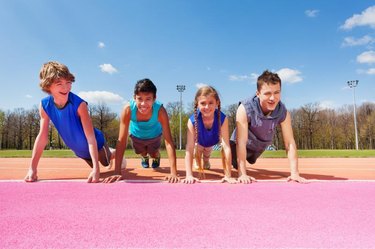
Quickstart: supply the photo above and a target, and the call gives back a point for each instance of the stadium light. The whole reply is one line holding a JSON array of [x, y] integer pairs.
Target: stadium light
[[180, 89], [353, 84]]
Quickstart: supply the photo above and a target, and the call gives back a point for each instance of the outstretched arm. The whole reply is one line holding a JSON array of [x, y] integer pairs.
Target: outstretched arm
[[189, 154], [291, 149], [121, 145], [227, 152], [242, 136], [39, 145], [164, 120], [88, 129]]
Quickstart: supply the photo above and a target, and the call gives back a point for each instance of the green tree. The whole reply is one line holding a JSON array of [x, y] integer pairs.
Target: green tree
[[106, 121], [2, 123]]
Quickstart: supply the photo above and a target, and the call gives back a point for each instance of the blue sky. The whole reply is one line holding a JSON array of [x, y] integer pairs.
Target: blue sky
[[315, 46]]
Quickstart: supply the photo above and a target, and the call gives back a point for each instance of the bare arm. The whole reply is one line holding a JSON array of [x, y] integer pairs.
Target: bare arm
[[189, 154], [39, 145], [119, 173], [242, 136], [291, 149], [88, 129], [164, 120], [122, 138], [227, 152]]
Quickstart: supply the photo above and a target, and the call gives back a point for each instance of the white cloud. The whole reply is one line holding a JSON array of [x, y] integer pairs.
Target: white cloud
[[366, 57], [238, 77], [371, 71], [108, 68], [290, 76], [101, 97], [254, 77], [101, 45], [28, 96], [287, 75], [367, 101], [311, 13], [366, 18], [326, 104], [351, 41], [199, 85]]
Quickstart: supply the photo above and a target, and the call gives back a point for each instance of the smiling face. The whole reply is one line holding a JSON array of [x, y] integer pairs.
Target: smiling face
[[269, 96], [207, 105], [60, 89], [144, 102], [52, 72]]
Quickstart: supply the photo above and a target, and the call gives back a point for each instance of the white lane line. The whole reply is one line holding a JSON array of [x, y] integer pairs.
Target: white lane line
[[202, 181]]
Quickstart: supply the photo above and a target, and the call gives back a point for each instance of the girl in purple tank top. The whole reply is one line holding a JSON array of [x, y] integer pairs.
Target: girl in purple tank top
[[207, 127]]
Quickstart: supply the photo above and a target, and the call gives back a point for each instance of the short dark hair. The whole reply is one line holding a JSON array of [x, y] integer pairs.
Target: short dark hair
[[145, 86], [268, 77]]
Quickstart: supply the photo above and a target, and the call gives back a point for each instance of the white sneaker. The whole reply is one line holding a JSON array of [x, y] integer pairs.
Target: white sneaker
[[123, 164], [195, 165], [109, 167], [112, 159], [112, 150]]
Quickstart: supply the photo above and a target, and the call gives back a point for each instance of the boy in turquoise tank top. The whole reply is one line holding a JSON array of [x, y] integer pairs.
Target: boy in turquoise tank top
[[70, 116], [145, 120]]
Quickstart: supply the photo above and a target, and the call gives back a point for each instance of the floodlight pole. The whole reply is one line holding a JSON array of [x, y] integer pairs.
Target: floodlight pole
[[353, 84], [180, 89]]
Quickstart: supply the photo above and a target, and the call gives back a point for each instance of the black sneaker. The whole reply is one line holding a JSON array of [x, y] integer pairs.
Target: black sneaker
[[155, 163], [145, 162]]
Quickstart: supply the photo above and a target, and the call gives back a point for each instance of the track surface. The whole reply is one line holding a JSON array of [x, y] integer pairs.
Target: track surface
[[264, 169], [335, 210]]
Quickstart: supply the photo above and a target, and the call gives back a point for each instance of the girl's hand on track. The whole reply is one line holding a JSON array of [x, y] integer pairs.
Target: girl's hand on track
[[190, 180], [230, 180]]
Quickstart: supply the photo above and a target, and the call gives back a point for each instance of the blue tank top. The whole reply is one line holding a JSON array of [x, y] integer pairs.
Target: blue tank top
[[145, 129], [69, 125], [261, 128], [208, 138]]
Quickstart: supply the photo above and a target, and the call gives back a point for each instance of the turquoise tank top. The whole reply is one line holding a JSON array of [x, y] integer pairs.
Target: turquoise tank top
[[145, 129]]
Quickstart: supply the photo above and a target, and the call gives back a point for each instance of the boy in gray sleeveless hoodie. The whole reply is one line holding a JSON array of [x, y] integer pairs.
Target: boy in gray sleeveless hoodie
[[256, 121]]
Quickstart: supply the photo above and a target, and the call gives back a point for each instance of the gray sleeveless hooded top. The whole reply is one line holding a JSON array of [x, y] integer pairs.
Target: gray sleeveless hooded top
[[261, 128]]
